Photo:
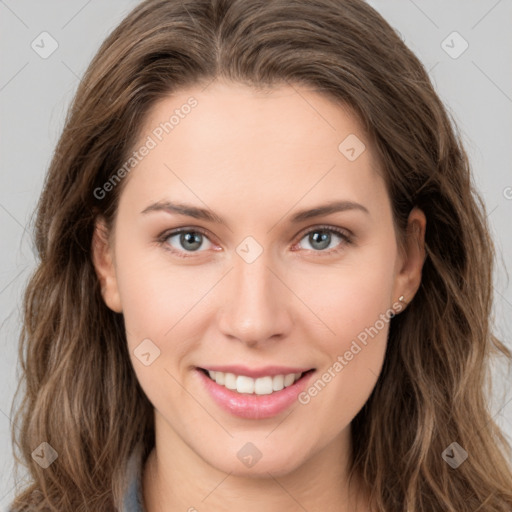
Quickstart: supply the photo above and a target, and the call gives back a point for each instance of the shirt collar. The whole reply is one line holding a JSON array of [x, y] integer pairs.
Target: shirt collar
[[133, 501]]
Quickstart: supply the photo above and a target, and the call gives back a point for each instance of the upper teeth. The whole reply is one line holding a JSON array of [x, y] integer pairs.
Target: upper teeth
[[259, 386]]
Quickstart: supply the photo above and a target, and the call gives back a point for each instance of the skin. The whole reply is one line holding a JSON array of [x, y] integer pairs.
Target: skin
[[255, 158]]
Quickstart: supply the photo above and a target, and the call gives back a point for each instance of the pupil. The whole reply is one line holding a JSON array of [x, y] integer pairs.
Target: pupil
[[191, 238], [324, 239]]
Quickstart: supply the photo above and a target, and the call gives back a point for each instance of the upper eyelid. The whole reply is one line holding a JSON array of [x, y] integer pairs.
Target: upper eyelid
[[326, 227]]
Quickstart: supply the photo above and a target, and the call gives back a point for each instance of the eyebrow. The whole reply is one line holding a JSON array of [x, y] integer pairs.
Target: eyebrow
[[208, 215]]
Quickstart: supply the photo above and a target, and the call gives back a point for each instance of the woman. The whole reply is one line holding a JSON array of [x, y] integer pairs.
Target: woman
[[255, 369]]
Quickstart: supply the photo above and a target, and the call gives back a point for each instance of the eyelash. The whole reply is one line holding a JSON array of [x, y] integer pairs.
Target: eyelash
[[163, 237]]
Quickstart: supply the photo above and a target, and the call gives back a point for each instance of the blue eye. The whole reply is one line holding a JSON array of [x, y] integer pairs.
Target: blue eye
[[320, 238], [189, 240]]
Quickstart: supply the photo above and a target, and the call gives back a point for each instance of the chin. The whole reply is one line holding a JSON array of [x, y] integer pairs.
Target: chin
[[277, 464]]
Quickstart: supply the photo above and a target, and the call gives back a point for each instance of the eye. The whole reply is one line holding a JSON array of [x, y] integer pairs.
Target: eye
[[320, 238], [189, 240], [185, 240]]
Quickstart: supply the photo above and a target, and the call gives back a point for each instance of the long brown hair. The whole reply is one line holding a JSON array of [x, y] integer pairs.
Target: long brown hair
[[81, 394]]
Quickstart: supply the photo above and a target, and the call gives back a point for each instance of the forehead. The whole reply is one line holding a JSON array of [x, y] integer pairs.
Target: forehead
[[234, 141], [273, 116]]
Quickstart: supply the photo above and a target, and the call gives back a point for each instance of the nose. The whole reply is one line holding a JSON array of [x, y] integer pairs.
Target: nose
[[256, 303]]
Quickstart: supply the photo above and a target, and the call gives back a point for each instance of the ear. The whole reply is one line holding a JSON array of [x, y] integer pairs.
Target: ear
[[408, 277], [103, 261]]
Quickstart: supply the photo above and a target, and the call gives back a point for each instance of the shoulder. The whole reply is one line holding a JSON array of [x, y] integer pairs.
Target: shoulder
[[132, 500]]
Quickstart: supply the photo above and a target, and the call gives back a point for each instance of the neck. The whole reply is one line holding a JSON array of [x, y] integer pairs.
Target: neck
[[176, 478]]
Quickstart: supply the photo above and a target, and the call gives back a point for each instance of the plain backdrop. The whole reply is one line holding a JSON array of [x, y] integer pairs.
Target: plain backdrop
[[465, 45]]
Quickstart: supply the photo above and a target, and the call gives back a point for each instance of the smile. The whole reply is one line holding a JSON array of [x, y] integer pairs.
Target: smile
[[265, 385], [258, 397]]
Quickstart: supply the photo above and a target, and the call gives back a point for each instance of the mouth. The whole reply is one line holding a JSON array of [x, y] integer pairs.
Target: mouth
[[263, 385], [266, 394]]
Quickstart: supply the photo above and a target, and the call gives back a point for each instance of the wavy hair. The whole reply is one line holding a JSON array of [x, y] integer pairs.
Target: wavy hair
[[80, 392]]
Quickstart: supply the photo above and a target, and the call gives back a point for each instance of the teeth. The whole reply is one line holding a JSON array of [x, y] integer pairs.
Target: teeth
[[260, 386], [289, 379], [278, 382], [244, 384], [263, 386], [229, 380]]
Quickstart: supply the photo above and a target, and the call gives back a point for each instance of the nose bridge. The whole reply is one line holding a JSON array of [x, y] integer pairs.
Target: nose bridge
[[253, 279], [256, 307]]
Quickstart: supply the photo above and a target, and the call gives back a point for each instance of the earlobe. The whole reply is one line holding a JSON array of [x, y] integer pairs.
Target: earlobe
[[102, 258], [408, 280]]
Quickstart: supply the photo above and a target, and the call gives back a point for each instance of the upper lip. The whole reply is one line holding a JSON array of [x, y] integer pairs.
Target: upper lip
[[256, 372]]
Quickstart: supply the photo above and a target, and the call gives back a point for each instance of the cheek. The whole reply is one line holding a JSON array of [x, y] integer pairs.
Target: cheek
[[154, 295], [158, 308], [351, 296], [166, 305], [355, 304]]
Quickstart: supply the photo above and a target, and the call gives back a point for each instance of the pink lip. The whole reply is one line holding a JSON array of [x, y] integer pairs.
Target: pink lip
[[258, 372], [252, 406]]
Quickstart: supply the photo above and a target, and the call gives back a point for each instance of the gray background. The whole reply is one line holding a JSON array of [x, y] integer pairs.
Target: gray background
[[35, 93]]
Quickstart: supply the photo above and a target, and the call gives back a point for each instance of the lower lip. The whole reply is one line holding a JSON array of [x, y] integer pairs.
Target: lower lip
[[252, 406]]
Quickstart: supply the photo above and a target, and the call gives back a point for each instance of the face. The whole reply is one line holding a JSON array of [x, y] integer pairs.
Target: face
[[253, 288]]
